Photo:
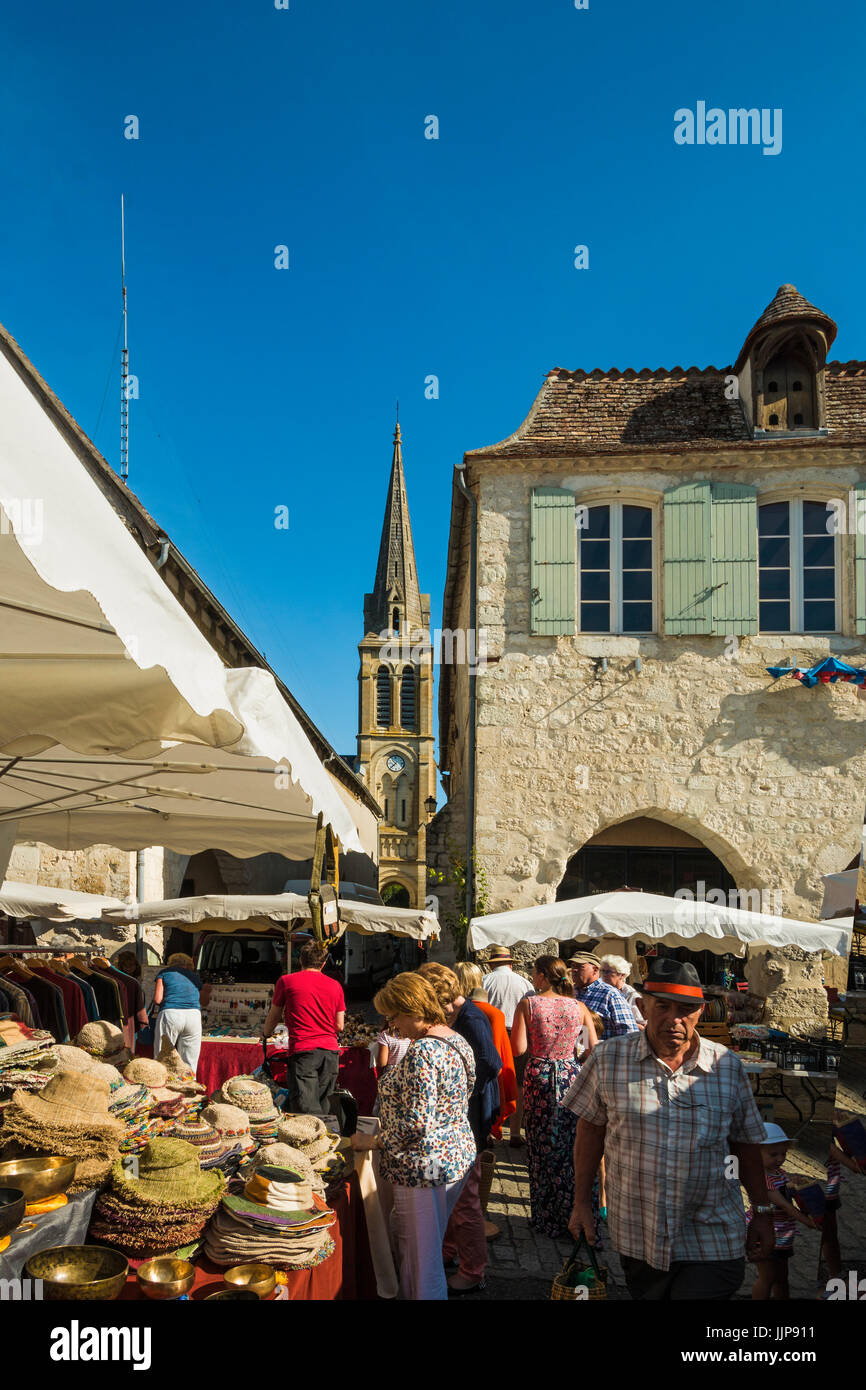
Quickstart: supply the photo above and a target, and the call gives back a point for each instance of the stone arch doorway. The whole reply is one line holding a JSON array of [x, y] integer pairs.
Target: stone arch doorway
[[642, 853], [396, 895], [654, 857]]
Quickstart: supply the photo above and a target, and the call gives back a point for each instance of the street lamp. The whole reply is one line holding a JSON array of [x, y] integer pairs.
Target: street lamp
[[430, 805]]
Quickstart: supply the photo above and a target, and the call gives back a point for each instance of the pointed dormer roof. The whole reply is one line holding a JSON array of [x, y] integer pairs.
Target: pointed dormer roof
[[788, 306], [396, 574]]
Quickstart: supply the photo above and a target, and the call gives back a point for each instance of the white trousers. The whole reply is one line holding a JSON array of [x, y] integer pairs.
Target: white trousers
[[418, 1221], [182, 1028]]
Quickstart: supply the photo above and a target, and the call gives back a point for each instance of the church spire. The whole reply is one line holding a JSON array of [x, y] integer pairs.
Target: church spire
[[396, 592]]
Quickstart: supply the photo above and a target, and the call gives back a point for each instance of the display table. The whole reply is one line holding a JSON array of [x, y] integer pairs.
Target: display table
[[65, 1226], [346, 1275], [221, 1058]]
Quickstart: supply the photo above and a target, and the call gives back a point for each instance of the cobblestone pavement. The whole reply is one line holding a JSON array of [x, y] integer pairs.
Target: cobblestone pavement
[[522, 1263]]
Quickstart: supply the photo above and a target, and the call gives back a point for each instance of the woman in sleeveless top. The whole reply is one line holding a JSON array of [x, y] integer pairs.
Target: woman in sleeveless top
[[551, 1026]]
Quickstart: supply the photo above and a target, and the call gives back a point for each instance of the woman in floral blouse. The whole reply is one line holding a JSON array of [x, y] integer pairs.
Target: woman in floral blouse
[[426, 1142]]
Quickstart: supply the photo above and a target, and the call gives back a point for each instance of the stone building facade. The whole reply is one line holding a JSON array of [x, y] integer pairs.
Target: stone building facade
[[648, 543], [395, 702]]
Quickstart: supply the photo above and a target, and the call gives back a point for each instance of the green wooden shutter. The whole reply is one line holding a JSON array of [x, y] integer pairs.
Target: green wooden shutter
[[735, 558], [551, 562], [859, 560], [688, 563]]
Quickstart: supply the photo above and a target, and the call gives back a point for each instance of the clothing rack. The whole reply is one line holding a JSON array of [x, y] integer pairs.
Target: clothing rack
[[75, 950]]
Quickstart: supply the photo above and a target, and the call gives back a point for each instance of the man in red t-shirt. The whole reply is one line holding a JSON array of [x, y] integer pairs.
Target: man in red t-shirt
[[314, 1011]]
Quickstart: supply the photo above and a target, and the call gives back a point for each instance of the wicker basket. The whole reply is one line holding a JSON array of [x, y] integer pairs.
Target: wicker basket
[[582, 1253]]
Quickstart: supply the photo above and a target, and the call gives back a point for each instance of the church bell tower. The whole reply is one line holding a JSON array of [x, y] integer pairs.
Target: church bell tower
[[395, 718]]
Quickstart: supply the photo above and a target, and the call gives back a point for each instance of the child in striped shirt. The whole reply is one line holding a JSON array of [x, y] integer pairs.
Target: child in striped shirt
[[772, 1276]]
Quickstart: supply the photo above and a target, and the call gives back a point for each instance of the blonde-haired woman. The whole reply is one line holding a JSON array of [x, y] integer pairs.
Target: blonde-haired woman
[[180, 996], [471, 985], [426, 1143]]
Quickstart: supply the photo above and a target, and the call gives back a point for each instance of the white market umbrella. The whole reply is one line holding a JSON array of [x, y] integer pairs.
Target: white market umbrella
[[29, 900], [653, 918], [226, 912]]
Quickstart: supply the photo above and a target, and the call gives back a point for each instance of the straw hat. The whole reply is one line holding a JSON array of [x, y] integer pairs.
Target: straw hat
[[71, 1058], [145, 1071], [230, 1122], [70, 1100], [104, 1041], [284, 1156], [252, 1097], [179, 1078], [499, 955], [300, 1130], [168, 1175]]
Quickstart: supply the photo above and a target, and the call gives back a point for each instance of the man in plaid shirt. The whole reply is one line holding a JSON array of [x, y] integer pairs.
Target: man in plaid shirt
[[669, 1110], [603, 999]]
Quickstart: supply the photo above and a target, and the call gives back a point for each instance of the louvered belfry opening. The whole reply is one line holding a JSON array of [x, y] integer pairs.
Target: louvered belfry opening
[[407, 698], [383, 697]]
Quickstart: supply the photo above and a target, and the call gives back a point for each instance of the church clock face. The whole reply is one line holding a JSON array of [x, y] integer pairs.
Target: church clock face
[[395, 762]]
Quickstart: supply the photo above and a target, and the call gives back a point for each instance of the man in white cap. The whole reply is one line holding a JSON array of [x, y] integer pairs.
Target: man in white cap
[[505, 991]]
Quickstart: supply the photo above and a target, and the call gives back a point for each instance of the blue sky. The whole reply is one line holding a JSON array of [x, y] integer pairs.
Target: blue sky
[[408, 257]]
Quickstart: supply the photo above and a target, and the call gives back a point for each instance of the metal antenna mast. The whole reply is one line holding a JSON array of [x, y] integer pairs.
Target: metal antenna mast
[[124, 358]]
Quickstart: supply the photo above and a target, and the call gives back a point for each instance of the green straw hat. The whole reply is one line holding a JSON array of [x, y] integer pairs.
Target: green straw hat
[[169, 1174]]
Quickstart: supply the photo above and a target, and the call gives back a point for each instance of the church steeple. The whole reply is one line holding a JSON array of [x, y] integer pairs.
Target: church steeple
[[396, 593]]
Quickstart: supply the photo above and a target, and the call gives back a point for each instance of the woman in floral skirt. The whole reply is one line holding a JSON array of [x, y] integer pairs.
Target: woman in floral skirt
[[552, 1027]]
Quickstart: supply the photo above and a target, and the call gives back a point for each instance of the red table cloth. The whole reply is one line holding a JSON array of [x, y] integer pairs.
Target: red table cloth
[[345, 1275], [221, 1058]]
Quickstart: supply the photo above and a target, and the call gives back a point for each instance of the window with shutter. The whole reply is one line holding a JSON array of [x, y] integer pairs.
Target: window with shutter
[[797, 560], [859, 563], [688, 558], [616, 569], [710, 559], [383, 697], [551, 562], [734, 601]]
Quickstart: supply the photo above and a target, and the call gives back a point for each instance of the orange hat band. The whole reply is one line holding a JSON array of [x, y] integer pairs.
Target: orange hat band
[[690, 991]]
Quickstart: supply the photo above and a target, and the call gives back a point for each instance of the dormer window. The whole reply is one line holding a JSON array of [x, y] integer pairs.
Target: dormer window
[[788, 393]]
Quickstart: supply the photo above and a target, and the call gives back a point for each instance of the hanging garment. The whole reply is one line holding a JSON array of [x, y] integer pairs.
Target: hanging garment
[[73, 999], [87, 991], [23, 1003]]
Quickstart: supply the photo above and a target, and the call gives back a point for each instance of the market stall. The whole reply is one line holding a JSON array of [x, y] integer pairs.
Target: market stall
[[231, 1039]]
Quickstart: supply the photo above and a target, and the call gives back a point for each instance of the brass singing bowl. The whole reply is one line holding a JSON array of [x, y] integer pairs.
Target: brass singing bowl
[[233, 1293], [165, 1277], [260, 1278], [38, 1178], [12, 1206], [80, 1272]]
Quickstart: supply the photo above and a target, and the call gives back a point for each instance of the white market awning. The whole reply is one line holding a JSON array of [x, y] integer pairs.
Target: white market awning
[[652, 918], [262, 910], [105, 680], [29, 900]]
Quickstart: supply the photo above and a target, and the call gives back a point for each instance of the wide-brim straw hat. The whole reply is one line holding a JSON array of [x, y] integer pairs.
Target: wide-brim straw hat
[[146, 1071], [499, 955], [70, 1100], [168, 1175]]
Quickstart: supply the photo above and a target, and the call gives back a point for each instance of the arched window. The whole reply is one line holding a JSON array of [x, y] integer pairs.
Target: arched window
[[616, 568], [407, 698], [395, 620], [383, 697], [796, 568]]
